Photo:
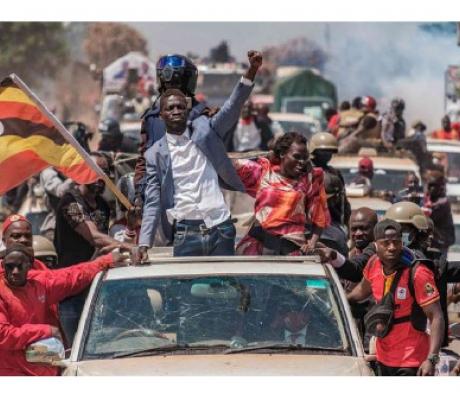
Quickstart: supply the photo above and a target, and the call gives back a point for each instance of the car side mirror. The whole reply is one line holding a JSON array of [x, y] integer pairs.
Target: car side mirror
[[46, 351]]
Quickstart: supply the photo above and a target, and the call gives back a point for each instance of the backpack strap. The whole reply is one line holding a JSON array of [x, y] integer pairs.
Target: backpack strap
[[410, 284], [417, 317], [395, 282], [407, 318]]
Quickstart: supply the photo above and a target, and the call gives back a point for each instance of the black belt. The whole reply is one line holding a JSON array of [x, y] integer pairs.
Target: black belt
[[196, 225], [278, 244]]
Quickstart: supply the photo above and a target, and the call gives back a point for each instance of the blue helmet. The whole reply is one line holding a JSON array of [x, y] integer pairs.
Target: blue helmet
[[176, 71]]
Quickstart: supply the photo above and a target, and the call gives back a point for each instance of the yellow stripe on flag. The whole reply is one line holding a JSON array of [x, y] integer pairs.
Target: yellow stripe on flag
[[63, 156], [15, 94]]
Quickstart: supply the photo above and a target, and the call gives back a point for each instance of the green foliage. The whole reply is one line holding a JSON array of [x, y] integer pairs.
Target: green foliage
[[32, 50], [221, 53], [107, 41]]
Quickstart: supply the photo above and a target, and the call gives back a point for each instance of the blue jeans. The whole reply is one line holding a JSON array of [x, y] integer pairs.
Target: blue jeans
[[192, 238]]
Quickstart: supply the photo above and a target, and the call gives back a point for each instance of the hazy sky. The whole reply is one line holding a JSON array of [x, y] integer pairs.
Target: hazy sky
[[383, 59], [199, 37]]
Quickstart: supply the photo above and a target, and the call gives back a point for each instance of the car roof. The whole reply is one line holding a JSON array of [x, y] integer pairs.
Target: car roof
[[291, 117], [392, 163], [241, 265], [372, 202]]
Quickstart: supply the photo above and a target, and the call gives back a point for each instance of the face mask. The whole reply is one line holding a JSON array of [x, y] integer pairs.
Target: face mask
[[406, 239], [322, 158]]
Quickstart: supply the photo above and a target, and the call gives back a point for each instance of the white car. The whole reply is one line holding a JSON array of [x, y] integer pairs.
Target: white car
[[451, 150], [301, 123], [389, 172], [215, 316]]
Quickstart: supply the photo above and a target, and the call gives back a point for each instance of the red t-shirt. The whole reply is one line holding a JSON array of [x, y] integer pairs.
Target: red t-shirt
[[442, 134], [404, 346], [333, 124]]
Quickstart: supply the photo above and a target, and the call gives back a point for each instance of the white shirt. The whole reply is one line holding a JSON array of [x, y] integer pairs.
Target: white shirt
[[197, 195], [247, 137]]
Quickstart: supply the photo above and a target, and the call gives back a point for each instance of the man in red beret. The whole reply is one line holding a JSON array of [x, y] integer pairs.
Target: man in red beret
[[17, 229], [366, 173]]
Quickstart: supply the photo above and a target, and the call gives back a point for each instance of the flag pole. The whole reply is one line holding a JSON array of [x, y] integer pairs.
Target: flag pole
[[69, 137]]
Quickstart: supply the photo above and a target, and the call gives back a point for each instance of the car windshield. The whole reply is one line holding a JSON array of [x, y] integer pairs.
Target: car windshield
[[215, 314], [307, 129], [389, 179]]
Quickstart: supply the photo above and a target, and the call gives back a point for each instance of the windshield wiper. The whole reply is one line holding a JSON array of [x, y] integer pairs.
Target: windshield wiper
[[277, 346], [166, 349]]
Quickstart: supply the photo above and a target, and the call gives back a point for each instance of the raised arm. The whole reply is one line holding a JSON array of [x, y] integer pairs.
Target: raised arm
[[228, 115], [52, 183]]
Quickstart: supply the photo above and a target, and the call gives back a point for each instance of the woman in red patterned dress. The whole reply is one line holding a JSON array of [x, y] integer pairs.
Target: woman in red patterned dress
[[289, 195]]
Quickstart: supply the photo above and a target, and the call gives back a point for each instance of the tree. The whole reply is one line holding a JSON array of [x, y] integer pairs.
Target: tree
[[107, 41], [221, 53], [32, 50], [296, 52]]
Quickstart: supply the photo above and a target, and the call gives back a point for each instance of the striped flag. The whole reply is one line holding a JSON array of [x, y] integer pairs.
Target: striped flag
[[30, 141]]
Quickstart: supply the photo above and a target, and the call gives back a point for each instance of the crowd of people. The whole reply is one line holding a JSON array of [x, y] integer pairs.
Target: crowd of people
[[395, 273]]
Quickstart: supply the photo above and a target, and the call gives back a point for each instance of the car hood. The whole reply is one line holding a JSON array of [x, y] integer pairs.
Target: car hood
[[231, 364]]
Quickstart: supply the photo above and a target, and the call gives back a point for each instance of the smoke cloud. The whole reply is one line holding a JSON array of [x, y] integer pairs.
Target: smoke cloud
[[385, 60], [381, 59]]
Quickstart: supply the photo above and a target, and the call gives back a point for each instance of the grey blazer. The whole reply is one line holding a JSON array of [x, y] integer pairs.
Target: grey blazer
[[207, 133]]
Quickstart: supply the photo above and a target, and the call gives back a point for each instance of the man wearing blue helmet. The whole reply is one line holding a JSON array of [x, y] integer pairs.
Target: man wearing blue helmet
[[174, 71]]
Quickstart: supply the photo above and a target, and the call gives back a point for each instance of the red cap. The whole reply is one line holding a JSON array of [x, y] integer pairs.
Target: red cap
[[369, 103], [12, 219], [366, 163]]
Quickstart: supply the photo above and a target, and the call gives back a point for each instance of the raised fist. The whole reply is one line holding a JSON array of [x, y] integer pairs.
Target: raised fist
[[255, 59]]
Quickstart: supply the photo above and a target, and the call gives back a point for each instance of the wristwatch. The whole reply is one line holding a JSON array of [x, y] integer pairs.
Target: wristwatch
[[433, 358]]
